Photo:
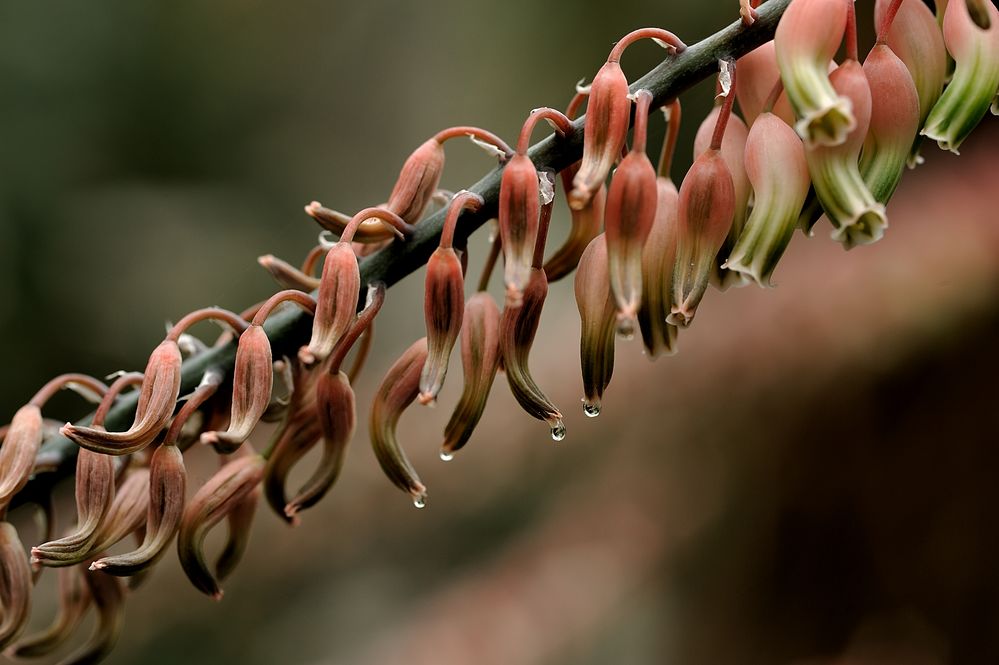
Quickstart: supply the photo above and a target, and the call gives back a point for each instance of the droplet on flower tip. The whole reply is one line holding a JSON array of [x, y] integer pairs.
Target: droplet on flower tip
[[420, 502], [590, 409], [558, 431], [446, 456]]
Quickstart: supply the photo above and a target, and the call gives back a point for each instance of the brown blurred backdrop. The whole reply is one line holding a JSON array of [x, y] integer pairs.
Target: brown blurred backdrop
[[811, 480]]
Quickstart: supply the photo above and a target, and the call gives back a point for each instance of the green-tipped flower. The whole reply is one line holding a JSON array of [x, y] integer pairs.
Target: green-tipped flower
[[597, 316], [807, 38], [894, 122], [857, 216], [972, 89], [778, 172]]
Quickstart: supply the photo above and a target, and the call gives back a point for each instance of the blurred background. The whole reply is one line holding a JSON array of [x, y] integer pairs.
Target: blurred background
[[810, 481]]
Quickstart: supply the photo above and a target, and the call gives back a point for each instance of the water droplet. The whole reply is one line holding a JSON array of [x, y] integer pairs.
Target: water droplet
[[446, 456], [420, 502], [558, 431], [591, 410]]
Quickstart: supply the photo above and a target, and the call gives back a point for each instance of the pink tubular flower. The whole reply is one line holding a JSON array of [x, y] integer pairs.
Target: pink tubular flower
[[607, 117], [597, 316], [628, 218], [807, 38], [444, 299], [758, 74]]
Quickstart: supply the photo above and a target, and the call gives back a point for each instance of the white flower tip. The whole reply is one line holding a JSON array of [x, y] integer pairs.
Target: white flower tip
[[488, 147], [582, 89]]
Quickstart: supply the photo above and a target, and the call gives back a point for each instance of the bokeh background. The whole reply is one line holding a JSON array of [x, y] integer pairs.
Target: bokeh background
[[811, 480]]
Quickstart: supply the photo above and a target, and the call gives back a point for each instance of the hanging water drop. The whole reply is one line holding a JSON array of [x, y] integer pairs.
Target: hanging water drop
[[558, 431], [592, 410], [420, 502], [446, 456]]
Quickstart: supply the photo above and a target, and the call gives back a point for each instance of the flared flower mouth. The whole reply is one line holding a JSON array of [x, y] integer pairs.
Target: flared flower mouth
[[866, 227], [828, 125]]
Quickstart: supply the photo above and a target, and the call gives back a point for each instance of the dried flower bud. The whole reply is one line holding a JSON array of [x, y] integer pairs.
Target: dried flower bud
[[287, 275], [598, 318], [778, 172], [705, 211], [166, 481], [336, 303], [157, 400], [397, 391], [972, 89], [848, 203], [74, 599], [518, 327], [894, 122], [108, 595], [94, 494], [480, 358], [222, 494], [807, 38], [15, 586], [658, 260], [252, 383], [628, 218], [128, 512], [17, 454], [519, 214], [916, 39], [758, 74]]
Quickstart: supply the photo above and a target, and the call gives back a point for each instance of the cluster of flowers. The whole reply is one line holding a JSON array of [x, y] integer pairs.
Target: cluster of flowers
[[815, 137]]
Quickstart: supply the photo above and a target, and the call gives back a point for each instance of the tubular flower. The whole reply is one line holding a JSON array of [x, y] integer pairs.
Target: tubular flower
[[894, 122], [287, 275], [480, 356], [397, 391], [916, 39], [607, 117], [517, 329], [17, 454], [628, 217], [128, 512], [108, 596], [74, 599], [15, 586], [299, 434], [972, 89], [857, 217], [597, 317], [239, 523], [778, 173], [444, 299], [222, 494], [758, 74], [807, 38]]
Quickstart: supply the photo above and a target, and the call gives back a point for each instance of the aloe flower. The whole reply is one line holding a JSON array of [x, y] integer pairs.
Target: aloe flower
[[597, 315], [15, 586], [758, 74], [972, 89], [807, 38]]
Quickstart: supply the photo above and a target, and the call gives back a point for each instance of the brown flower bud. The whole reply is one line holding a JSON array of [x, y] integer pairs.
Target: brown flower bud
[[295, 440], [397, 391], [480, 355], [658, 261], [108, 595], [336, 303], [128, 511], [598, 317], [252, 383], [15, 586], [518, 327], [519, 212], [17, 455], [74, 599], [370, 231], [239, 523], [417, 181], [288, 275], [223, 493]]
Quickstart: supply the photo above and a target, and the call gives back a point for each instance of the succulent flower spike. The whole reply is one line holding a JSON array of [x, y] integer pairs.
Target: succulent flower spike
[[253, 375], [848, 203], [74, 599], [339, 290], [598, 321], [894, 122], [108, 596], [972, 89], [659, 256], [914, 36], [444, 299], [628, 217], [758, 74], [778, 172], [808, 37], [520, 201], [223, 493], [15, 586], [397, 391], [586, 222], [608, 115], [705, 211], [27, 430], [480, 356], [733, 151], [336, 410], [288, 275]]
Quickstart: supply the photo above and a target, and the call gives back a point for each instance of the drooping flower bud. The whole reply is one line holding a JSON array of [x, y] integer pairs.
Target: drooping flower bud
[[17, 454], [914, 36], [288, 275], [778, 173], [848, 203], [972, 89], [894, 122], [519, 212], [74, 599], [608, 115], [108, 596], [239, 524], [658, 260], [15, 586], [300, 433], [128, 511], [397, 391], [807, 38], [444, 299], [222, 494], [598, 321], [480, 357], [758, 74], [628, 218]]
